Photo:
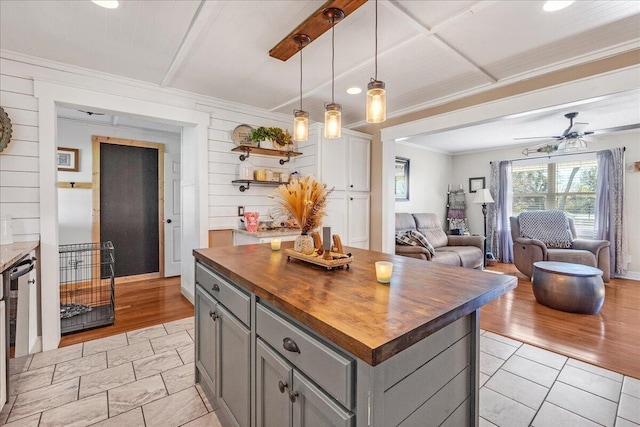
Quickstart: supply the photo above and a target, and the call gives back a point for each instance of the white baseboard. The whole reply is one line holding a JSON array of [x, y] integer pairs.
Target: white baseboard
[[188, 295], [631, 275]]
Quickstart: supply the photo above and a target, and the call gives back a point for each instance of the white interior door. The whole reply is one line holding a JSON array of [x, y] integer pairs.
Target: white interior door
[[172, 215]]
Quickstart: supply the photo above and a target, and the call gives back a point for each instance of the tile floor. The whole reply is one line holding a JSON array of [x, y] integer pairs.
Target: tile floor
[[145, 378]]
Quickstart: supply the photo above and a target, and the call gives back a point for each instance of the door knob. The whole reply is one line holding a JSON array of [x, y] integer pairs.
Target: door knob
[[282, 386], [293, 396], [169, 221]]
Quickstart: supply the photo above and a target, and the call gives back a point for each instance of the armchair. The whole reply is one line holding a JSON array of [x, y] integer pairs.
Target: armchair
[[526, 251]]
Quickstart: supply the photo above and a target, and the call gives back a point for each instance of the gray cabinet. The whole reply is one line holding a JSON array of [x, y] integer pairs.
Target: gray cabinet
[[223, 346], [273, 384], [205, 348], [285, 397], [234, 348], [313, 408]]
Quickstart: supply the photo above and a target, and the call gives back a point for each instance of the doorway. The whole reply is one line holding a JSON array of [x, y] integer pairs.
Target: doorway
[[128, 210]]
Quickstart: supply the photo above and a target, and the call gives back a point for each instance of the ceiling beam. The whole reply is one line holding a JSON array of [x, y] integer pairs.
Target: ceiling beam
[[314, 26]]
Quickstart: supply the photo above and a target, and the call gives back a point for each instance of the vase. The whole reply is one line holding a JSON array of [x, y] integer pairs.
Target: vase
[[304, 244]]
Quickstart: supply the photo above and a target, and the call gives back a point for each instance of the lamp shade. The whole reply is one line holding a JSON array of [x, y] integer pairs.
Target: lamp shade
[[483, 196], [300, 126], [332, 121]]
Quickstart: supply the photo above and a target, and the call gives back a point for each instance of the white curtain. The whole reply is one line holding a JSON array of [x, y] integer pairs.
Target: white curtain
[[498, 228], [609, 213]]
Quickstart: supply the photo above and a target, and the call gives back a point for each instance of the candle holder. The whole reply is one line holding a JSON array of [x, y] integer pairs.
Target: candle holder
[[384, 270], [275, 244]]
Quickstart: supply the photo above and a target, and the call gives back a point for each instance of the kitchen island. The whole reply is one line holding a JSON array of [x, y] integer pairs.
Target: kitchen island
[[281, 342]]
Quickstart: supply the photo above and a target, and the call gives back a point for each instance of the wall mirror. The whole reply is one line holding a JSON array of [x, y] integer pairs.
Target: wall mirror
[[402, 178]]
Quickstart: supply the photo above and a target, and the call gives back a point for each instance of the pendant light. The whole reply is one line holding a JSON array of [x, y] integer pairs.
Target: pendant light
[[301, 117], [332, 114], [376, 109]]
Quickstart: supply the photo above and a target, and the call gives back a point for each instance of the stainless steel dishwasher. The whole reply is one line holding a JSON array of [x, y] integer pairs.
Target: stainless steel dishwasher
[[8, 303]]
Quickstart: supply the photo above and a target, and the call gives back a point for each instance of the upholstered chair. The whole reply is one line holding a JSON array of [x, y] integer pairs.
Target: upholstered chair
[[526, 251]]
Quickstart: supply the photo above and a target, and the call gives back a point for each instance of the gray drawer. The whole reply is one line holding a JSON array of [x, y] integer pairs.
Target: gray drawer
[[329, 369], [233, 298]]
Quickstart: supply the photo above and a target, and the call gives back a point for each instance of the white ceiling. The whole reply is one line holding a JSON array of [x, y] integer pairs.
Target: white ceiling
[[429, 51]]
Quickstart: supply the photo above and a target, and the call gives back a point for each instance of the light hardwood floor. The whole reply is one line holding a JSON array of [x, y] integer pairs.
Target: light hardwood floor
[[610, 339]]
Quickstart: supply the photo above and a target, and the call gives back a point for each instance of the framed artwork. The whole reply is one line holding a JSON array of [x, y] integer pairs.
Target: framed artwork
[[476, 184], [401, 184], [67, 159]]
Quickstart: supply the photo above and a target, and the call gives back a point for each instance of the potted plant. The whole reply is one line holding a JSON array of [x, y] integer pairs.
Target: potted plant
[[280, 139]]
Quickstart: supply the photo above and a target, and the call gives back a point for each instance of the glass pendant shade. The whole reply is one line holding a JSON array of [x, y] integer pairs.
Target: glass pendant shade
[[376, 109], [332, 121], [573, 144], [300, 125]]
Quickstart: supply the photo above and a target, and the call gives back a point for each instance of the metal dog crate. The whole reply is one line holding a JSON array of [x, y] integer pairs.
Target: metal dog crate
[[86, 286]]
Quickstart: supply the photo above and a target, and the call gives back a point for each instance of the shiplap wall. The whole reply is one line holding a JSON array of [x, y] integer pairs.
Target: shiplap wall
[[224, 167], [19, 186]]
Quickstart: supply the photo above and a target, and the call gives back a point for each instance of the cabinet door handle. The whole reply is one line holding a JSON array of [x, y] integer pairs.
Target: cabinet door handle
[[351, 186], [282, 386], [213, 315], [215, 288], [293, 396], [290, 345], [350, 198]]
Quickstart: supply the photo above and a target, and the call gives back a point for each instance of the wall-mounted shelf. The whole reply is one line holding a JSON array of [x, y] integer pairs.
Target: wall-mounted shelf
[[74, 184], [245, 184], [247, 150]]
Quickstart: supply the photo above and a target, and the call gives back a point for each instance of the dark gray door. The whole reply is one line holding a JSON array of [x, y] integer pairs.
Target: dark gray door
[[273, 383], [129, 207]]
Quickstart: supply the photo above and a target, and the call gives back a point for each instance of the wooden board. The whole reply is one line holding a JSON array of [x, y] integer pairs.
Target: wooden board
[[318, 260]]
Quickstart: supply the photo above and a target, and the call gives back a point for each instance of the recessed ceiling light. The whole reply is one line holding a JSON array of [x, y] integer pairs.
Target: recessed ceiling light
[[554, 5], [108, 4], [354, 90]]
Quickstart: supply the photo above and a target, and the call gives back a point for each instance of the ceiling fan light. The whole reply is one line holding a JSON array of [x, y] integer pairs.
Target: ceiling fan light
[[376, 109], [300, 125], [572, 144], [332, 121], [107, 4], [555, 5]]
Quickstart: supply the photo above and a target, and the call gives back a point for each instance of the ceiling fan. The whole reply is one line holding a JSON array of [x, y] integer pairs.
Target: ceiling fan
[[571, 138]]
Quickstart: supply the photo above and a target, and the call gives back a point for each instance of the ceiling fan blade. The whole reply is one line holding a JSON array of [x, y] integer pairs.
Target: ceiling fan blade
[[555, 137], [575, 129], [617, 129]]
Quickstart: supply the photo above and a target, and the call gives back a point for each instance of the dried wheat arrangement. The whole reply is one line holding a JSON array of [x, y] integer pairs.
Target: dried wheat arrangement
[[304, 200]]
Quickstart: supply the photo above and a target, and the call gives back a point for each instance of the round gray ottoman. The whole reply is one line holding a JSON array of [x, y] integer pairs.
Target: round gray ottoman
[[564, 286]]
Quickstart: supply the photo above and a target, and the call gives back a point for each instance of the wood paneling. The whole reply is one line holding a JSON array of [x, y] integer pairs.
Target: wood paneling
[[609, 339], [139, 305]]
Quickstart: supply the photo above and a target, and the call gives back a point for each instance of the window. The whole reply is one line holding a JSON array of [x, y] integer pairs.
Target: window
[[569, 186]]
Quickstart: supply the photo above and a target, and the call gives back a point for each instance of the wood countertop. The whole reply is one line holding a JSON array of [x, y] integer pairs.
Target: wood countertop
[[373, 321]]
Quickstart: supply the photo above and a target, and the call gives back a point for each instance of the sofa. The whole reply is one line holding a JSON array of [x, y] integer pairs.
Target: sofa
[[463, 251], [527, 250]]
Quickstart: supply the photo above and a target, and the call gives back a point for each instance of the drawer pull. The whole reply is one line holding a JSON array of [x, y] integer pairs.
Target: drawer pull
[[282, 386], [215, 288], [213, 315], [290, 345], [293, 396]]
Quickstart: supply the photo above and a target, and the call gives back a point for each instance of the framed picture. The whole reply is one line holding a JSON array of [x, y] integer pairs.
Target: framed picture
[[67, 159], [476, 184], [401, 184]]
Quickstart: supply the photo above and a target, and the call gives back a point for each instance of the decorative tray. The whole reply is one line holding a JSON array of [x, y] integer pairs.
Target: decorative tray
[[338, 260]]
